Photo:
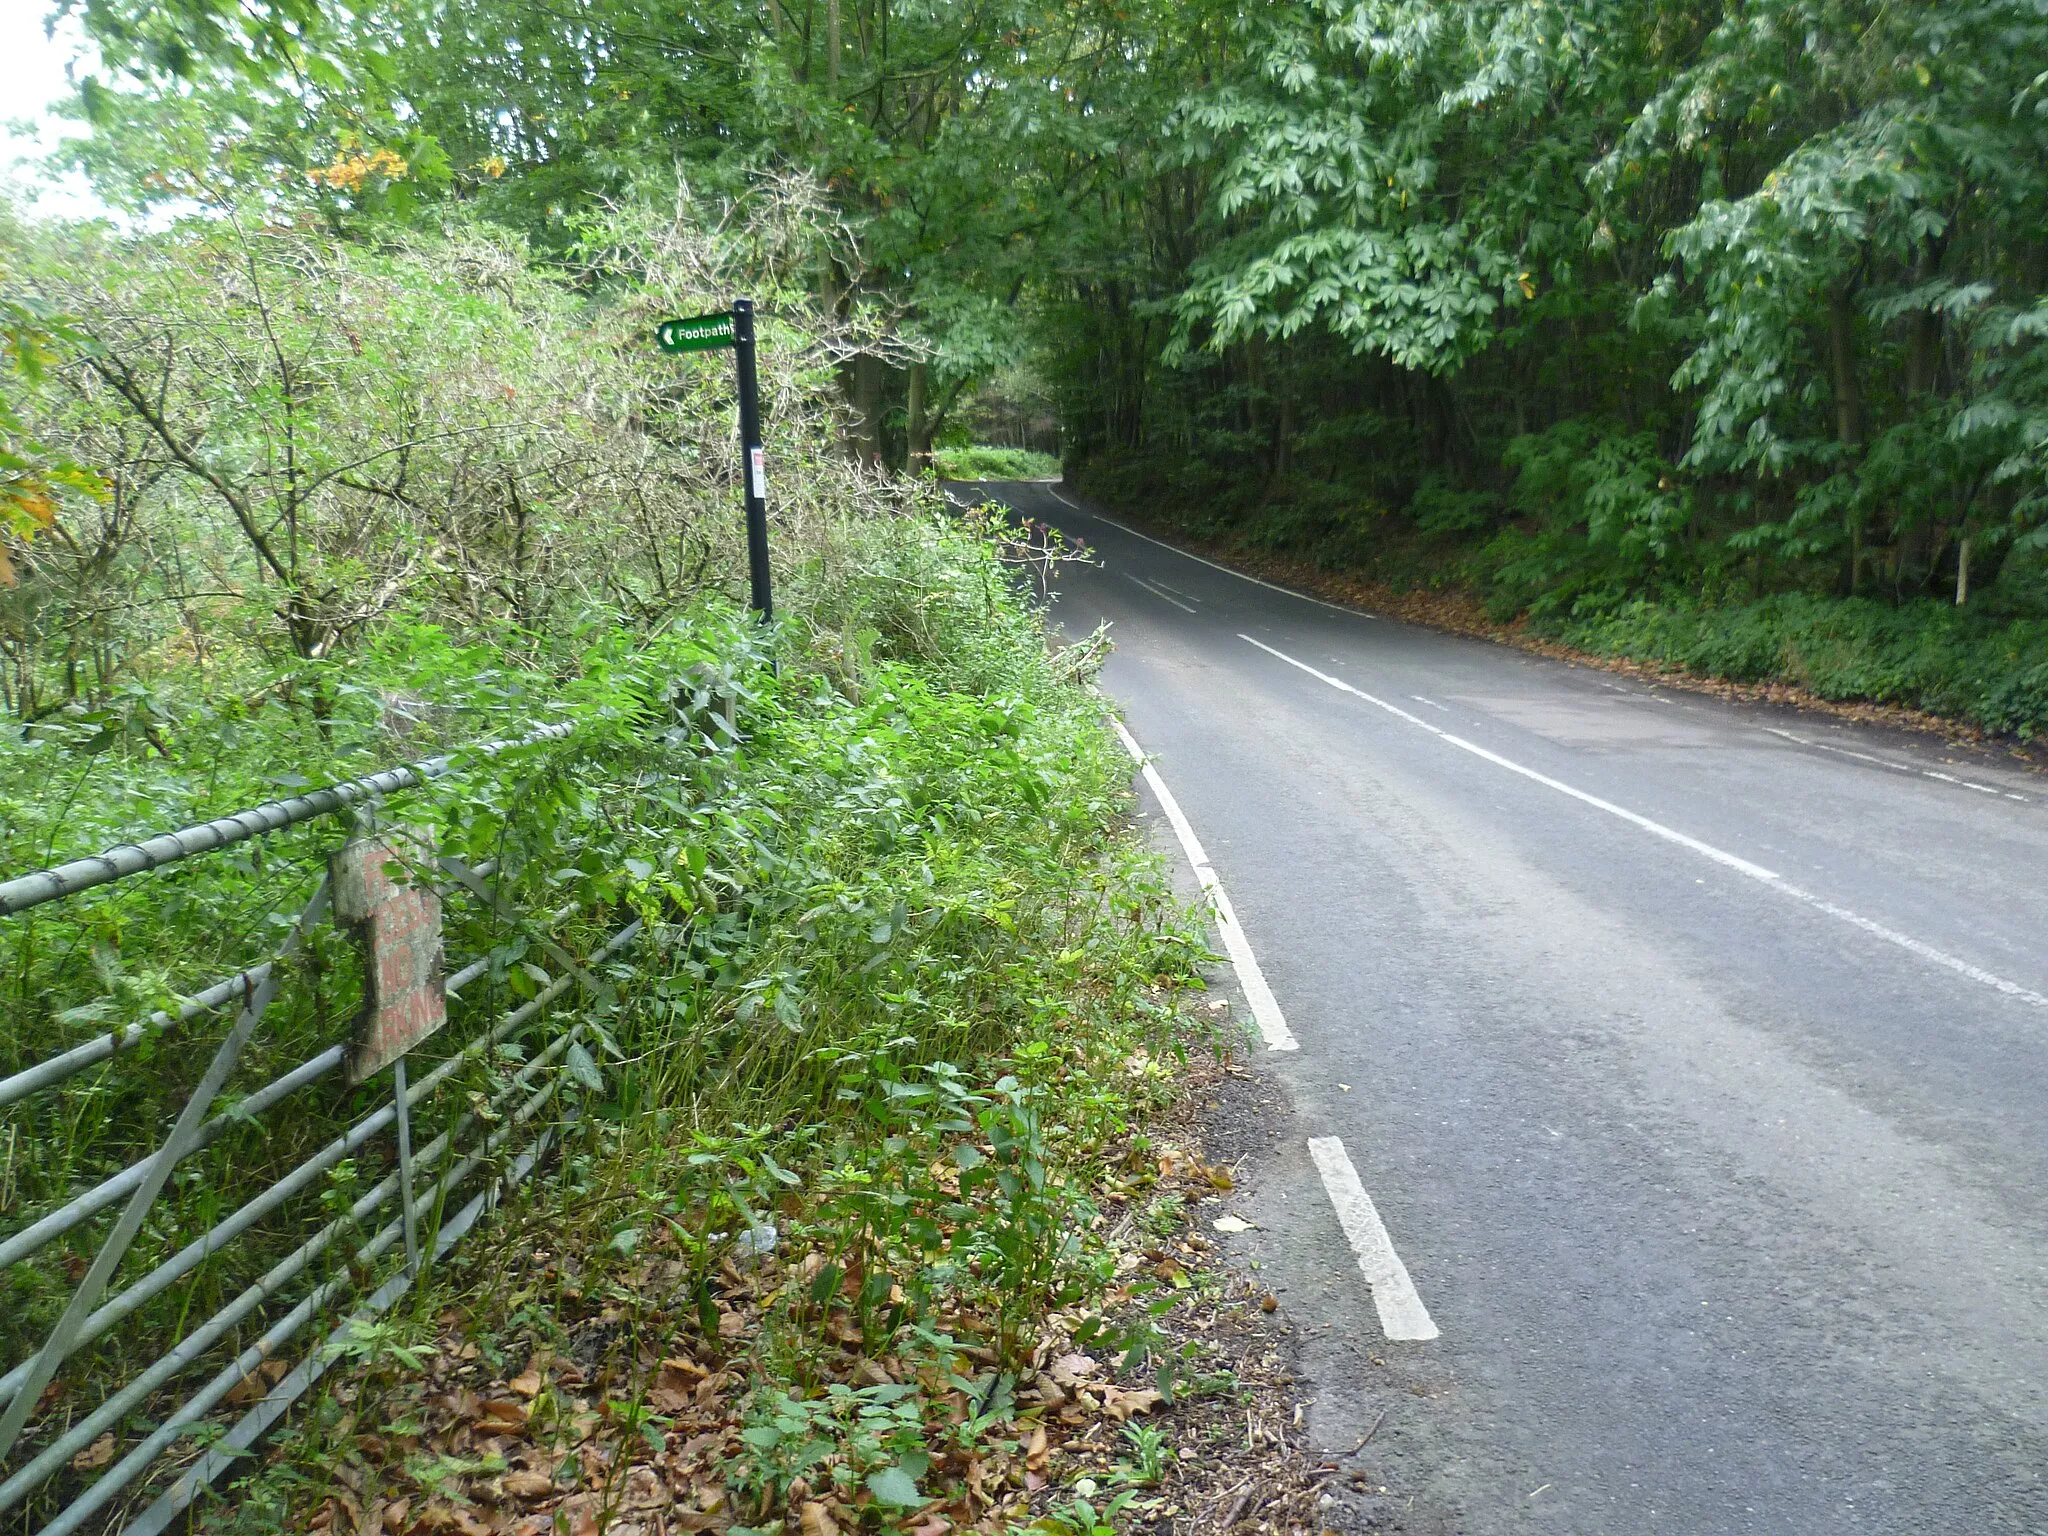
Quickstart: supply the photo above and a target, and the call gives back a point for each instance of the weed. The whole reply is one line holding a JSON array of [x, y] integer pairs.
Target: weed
[[1079, 1517], [1149, 1454]]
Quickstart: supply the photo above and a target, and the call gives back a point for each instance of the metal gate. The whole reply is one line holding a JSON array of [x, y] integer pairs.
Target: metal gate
[[68, 1455]]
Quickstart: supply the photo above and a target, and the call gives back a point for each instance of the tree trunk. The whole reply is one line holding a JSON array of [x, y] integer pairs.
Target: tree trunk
[[1923, 352], [920, 424], [1842, 356], [1848, 389], [867, 405], [1963, 571], [832, 45], [1283, 444], [1923, 335]]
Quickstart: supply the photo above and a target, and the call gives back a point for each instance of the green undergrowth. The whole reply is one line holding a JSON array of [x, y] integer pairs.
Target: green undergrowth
[[982, 462], [909, 990], [1991, 672]]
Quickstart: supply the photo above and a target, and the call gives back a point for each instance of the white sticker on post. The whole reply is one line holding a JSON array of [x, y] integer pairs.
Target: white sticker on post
[[759, 464]]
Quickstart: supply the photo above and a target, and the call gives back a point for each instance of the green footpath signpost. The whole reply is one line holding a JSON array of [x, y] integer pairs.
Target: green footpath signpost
[[699, 333], [734, 328]]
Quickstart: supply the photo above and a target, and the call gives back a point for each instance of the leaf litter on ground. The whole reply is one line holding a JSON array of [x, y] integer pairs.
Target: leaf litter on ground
[[1163, 1402]]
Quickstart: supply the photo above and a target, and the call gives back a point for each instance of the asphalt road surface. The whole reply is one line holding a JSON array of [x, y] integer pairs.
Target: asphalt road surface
[[1681, 1066]]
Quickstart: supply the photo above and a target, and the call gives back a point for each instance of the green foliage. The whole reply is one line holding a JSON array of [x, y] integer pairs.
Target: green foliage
[[1992, 673], [34, 480], [1587, 305], [869, 881], [302, 439], [985, 463], [1080, 1517]]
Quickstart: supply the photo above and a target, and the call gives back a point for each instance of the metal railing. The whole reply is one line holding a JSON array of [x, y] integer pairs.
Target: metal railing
[[490, 1141]]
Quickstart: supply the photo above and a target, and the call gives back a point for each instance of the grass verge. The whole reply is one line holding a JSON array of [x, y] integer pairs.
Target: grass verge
[[559, 1384]]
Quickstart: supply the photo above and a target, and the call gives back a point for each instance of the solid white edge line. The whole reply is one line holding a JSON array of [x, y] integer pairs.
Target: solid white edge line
[[1706, 850], [1865, 757], [1402, 1314], [1356, 613], [1250, 979]]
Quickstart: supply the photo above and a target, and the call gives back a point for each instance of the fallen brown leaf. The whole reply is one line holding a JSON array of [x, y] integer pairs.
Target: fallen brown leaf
[[816, 1520], [528, 1485], [1120, 1405], [1071, 1370], [96, 1455], [528, 1382], [257, 1383], [645, 1490], [504, 1413]]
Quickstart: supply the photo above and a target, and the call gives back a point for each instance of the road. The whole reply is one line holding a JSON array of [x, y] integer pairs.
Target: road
[[1692, 1058]]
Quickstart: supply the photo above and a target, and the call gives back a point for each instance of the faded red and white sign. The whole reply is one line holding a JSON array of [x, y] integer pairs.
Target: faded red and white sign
[[399, 926]]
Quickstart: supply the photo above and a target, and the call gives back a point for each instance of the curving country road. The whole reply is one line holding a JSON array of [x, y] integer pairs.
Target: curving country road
[[1691, 1059]]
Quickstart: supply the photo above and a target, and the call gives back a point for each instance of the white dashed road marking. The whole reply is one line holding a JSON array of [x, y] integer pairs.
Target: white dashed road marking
[[1265, 1010], [1402, 1314], [1741, 866], [1141, 581]]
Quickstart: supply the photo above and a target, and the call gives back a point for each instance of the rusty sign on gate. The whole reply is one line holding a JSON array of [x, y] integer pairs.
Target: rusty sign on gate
[[398, 923]]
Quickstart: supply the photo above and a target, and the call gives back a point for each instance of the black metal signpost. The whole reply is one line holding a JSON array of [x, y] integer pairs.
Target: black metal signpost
[[734, 328]]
